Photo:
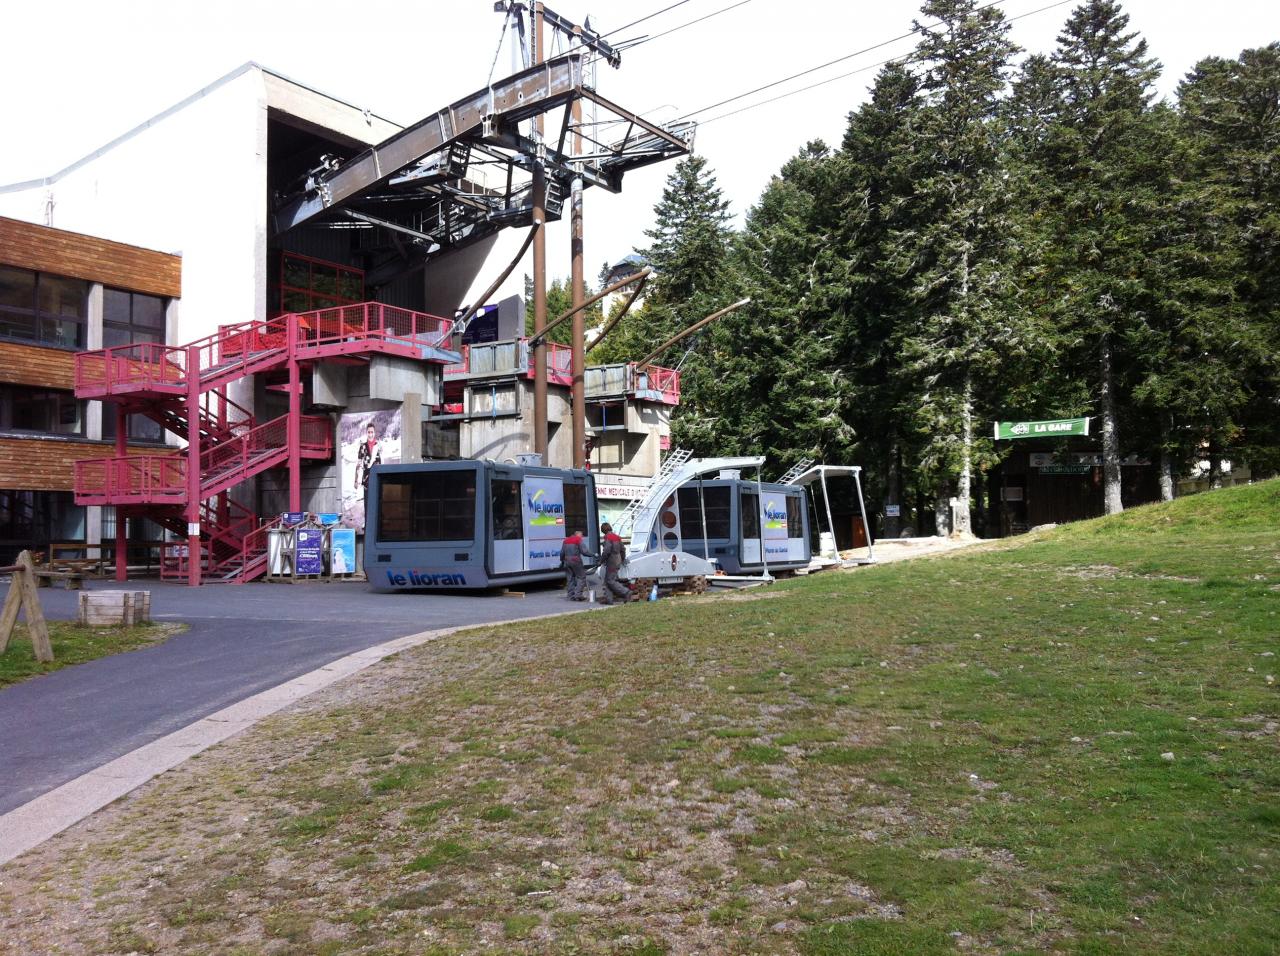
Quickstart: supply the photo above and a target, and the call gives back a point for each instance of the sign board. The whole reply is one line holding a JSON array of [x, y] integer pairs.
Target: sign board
[[1065, 469], [365, 439], [342, 550], [328, 518], [544, 528], [308, 546], [1054, 428], [893, 511], [290, 518], [626, 492]]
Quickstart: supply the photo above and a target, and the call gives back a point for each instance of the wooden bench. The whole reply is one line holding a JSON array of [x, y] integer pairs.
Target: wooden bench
[[72, 580]]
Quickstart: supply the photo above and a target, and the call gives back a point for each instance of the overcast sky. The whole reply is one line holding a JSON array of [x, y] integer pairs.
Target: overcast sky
[[77, 74]]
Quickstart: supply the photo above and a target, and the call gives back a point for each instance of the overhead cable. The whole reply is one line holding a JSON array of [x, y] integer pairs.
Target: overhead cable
[[831, 79], [848, 56]]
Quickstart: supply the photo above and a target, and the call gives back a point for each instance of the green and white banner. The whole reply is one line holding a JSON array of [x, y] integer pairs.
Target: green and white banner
[[1056, 428]]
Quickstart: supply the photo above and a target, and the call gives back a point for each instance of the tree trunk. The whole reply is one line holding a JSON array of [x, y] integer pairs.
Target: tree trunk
[[1215, 463], [893, 492], [1110, 436], [964, 522], [942, 514], [1167, 490]]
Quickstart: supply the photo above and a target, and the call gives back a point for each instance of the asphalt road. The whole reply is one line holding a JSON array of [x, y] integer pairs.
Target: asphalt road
[[241, 640]]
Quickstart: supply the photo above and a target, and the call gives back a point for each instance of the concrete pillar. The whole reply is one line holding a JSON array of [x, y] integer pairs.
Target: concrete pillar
[[411, 427]]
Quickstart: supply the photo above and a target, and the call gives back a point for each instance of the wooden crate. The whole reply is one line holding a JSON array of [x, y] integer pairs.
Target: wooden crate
[[114, 608]]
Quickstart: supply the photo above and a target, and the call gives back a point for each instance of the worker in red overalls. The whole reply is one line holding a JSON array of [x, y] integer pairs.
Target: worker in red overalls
[[572, 551], [613, 555]]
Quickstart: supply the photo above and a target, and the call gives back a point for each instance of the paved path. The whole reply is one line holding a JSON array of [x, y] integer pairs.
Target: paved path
[[242, 640]]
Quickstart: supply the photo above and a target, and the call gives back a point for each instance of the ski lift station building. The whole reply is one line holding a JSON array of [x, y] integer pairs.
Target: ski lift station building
[[195, 316]]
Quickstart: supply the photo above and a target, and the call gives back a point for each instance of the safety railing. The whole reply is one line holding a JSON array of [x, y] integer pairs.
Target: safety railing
[[656, 383], [253, 548], [369, 321], [140, 364], [235, 457], [135, 478]]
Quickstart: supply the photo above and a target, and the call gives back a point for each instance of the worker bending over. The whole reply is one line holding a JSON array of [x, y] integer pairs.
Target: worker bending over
[[613, 554], [572, 551]]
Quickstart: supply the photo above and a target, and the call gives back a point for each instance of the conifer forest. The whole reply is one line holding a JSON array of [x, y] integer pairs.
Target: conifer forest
[[1001, 234]]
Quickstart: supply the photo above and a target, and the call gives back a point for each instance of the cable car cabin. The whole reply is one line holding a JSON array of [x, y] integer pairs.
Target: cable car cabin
[[472, 524], [734, 514]]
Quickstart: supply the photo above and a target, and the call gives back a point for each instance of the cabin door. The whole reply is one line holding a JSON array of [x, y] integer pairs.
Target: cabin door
[[749, 522], [544, 530], [508, 526]]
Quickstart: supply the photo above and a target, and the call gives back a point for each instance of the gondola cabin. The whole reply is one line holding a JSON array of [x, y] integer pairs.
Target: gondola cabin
[[732, 520], [472, 524]]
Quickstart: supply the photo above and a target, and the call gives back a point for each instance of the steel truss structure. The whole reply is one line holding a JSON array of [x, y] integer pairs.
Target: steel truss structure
[[461, 174]]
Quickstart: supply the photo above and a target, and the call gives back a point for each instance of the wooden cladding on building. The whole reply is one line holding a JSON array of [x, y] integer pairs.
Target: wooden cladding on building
[[39, 367], [36, 464], [114, 264]]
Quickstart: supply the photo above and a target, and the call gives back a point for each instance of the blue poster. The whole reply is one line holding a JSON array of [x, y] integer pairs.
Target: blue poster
[[342, 550], [328, 518], [309, 547]]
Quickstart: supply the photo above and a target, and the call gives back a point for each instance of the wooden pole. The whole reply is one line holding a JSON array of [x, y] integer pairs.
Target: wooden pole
[[690, 330], [22, 596]]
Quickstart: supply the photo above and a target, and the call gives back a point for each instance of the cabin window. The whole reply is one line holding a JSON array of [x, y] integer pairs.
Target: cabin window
[[795, 522], [508, 523], [427, 506], [575, 509], [716, 500], [750, 515]]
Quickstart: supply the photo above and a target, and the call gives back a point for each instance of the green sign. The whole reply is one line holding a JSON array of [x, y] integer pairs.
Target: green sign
[[1065, 469], [1058, 428]]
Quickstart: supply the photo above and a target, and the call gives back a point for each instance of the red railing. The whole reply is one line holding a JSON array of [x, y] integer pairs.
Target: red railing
[[233, 458], [659, 384], [136, 478], [369, 321]]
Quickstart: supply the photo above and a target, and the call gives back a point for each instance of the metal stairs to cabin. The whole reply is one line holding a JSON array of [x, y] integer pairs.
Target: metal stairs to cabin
[[184, 389], [796, 470], [626, 521]]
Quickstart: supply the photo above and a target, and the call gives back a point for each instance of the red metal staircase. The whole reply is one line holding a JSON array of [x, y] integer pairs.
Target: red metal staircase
[[183, 388]]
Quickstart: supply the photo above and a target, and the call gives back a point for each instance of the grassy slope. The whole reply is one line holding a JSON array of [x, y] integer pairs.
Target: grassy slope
[[960, 753]]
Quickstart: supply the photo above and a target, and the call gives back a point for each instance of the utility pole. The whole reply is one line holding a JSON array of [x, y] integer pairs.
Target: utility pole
[[539, 267], [578, 294]]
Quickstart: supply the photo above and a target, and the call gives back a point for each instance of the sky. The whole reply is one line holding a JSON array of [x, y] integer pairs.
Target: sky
[[77, 74]]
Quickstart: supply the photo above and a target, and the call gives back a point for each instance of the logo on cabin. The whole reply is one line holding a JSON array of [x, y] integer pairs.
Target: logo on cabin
[[545, 513], [417, 579], [774, 520]]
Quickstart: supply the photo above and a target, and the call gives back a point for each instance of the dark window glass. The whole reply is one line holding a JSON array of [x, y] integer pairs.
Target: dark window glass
[[508, 522], [43, 308], [750, 515], [129, 317], [429, 506], [716, 500], [306, 285], [31, 520], [795, 526], [48, 411], [575, 509], [139, 427]]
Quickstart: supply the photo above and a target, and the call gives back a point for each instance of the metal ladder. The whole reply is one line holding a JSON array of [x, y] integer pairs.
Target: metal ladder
[[796, 470], [622, 527]]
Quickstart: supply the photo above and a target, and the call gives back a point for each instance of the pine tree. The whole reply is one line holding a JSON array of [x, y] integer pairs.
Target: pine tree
[[953, 253], [689, 251], [559, 301], [1104, 168], [1230, 112]]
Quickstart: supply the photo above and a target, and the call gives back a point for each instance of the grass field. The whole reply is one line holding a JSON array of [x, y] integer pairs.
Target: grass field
[[1068, 743], [73, 644]]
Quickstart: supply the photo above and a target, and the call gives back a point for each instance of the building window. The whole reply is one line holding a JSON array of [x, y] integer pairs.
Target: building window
[[139, 428], [308, 284], [30, 520], [44, 411], [129, 317], [48, 309]]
